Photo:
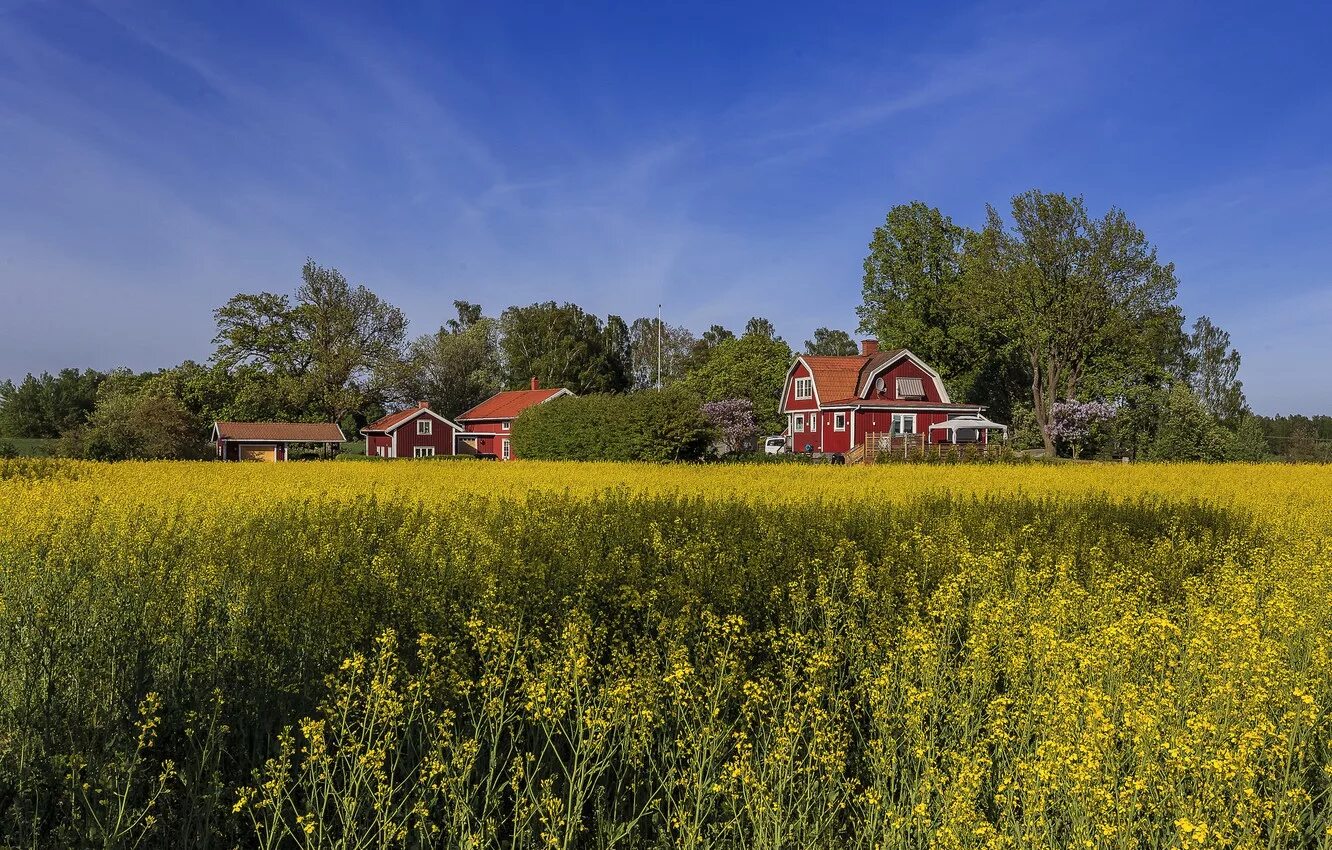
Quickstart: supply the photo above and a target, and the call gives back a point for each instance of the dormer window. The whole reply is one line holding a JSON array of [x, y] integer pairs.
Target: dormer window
[[910, 388], [804, 388]]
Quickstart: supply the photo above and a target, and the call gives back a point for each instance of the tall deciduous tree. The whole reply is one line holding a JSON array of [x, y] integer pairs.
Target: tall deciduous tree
[[831, 343], [752, 367], [454, 368], [706, 343], [915, 297], [676, 343], [325, 343], [1065, 289], [759, 326], [1214, 372], [561, 346]]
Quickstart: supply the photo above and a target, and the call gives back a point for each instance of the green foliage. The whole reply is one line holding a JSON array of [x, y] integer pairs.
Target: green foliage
[[133, 422], [752, 367], [454, 368], [1069, 292], [1186, 430], [644, 426], [1214, 369], [676, 345], [915, 296], [831, 343], [562, 346], [1249, 442], [322, 347], [705, 344], [48, 405]]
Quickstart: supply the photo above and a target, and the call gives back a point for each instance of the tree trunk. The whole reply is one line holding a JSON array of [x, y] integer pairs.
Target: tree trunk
[[1038, 406]]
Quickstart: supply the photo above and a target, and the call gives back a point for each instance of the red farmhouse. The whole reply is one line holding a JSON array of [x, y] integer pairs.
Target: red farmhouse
[[414, 432], [831, 403], [486, 426], [269, 441]]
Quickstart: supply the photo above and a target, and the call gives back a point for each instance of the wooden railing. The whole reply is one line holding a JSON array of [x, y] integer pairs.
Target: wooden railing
[[885, 448]]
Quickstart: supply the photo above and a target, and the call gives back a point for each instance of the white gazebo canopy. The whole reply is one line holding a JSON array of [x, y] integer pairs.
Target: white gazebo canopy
[[968, 423]]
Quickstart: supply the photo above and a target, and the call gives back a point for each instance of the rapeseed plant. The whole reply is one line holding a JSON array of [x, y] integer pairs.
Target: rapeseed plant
[[598, 655]]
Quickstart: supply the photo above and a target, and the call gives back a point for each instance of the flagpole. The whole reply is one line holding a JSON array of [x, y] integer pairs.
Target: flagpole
[[658, 348]]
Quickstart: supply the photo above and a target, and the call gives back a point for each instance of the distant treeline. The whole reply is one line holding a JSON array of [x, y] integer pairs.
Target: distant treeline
[[1062, 323]]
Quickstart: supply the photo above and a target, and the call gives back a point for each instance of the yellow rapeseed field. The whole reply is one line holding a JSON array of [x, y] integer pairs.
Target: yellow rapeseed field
[[1294, 494], [514, 655]]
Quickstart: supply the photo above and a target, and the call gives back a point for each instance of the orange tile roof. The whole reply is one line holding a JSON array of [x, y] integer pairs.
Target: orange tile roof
[[281, 432], [508, 404], [392, 420], [835, 377]]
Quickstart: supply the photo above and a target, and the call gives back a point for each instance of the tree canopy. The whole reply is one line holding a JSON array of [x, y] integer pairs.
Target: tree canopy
[[1071, 293], [562, 346], [751, 367], [322, 346], [454, 368], [831, 343]]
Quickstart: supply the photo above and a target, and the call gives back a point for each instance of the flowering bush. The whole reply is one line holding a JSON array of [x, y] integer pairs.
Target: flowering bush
[[1072, 422], [733, 420]]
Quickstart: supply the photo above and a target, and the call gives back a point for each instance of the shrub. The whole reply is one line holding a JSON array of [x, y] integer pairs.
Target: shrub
[[644, 426]]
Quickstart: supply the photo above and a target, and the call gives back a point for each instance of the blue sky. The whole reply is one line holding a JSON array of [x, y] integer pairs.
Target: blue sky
[[726, 160]]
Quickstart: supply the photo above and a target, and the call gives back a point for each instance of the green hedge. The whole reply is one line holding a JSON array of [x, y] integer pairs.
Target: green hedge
[[647, 426]]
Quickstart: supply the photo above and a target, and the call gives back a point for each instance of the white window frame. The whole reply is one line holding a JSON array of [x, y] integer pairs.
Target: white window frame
[[424, 427], [903, 418], [504, 426], [798, 423], [423, 451], [839, 421], [506, 453], [813, 423], [804, 388]]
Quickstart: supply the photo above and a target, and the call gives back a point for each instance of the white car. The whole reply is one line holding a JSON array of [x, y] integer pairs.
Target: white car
[[774, 445]]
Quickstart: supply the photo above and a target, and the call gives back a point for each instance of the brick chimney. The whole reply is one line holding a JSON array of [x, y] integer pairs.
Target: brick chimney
[[868, 347], [424, 405], [536, 385]]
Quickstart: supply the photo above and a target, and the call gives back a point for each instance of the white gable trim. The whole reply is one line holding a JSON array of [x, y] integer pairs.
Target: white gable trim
[[420, 411], [788, 389], [937, 378]]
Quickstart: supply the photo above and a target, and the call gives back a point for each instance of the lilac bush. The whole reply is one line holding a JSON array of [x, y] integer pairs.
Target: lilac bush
[[1071, 421], [733, 418]]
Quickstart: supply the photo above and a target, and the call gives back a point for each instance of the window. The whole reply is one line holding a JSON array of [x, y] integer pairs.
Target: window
[[804, 388], [839, 421], [423, 451], [504, 426], [813, 422], [904, 423], [799, 420], [912, 388], [504, 449], [423, 425]]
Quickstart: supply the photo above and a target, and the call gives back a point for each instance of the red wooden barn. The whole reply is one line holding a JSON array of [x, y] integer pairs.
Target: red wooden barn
[[831, 403], [486, 426], [415, 432], [270, 441]]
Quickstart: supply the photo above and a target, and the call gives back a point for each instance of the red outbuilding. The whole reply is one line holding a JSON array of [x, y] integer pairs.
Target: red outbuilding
[[270, 441], [486, 427], [415, 432], [832, 403]]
